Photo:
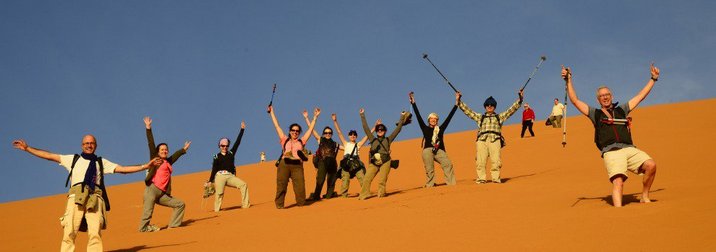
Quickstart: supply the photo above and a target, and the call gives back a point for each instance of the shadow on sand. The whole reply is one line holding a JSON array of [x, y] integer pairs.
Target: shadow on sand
[[626, 198], [145, 247]]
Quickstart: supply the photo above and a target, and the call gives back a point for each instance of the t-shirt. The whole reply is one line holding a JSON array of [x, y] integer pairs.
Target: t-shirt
[[348, 149], [163, 175], [78, 175], [293, 146], [557, 109]]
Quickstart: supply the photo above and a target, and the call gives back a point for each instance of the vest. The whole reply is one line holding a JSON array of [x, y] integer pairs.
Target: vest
[[607, 132]]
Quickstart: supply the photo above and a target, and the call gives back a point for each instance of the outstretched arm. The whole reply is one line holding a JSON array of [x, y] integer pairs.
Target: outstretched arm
[[135, 168], [411, 98], [403, 117], [150, 137], [22, 145], [338, 130], [364, 123], [279, 132], [580, 105], [308, 123], [512, 109], [365, 138], [238, 138], [465, 109], [307, 135], [645, 91], [177, 154]]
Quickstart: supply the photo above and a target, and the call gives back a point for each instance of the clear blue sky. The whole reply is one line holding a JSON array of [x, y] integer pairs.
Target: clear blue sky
[[68, 68]]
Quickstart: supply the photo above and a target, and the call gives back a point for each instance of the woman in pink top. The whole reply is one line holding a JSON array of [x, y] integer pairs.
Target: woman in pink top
[[290, 164], [158, 181]]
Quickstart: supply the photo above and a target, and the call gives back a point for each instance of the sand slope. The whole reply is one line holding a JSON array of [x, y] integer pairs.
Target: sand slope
[[554, 199]]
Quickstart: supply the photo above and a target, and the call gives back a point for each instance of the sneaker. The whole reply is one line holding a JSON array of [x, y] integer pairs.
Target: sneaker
[[480, 181], [151, 228]]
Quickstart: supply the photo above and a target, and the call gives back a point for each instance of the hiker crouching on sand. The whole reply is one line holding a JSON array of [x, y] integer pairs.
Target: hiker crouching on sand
[[324, 160], [87, 198], [433, 144], [555, 118], [489, 137], [223, 172], [290, 163], [380, 160], [159, 183], [351, 165], [613, 136]]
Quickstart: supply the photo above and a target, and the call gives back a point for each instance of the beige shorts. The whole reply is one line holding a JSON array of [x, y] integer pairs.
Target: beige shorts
[[619, 161]]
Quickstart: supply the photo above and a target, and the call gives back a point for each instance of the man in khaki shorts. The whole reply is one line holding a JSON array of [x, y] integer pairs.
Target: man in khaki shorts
[[613, 136]]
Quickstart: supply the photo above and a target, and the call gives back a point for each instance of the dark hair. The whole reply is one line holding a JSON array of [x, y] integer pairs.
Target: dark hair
[[352, 132], [324, 129], [381, 126], [297, 125], [160, 145]]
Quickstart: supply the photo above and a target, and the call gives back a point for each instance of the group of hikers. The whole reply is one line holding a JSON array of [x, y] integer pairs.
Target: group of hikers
[[87, 199]]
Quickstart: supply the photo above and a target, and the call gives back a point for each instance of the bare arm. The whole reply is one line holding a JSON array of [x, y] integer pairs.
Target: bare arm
[[22, 145], [307, 135], [279, 132], [645, 91], [135, 168], [338, 130], [580, 105], [308, 123]]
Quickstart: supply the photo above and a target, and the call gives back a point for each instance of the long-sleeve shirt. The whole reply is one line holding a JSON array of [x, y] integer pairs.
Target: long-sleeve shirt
[[160, 176], [528, 114], [491, 123], [375, 146], [428, 131], [225, 161]]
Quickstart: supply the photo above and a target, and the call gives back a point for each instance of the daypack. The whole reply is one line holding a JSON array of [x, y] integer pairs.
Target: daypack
[[284, 148], [480, 133]]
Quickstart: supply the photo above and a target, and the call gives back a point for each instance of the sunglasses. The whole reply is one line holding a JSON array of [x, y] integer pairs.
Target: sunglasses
[[380, 129], [328, 133], [294, 130], [223, 145]]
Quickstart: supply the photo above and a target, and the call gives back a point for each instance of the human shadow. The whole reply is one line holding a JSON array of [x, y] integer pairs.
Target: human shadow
[[239, 207], [626, 198], [145, 247], [504, 180], [191, 221]]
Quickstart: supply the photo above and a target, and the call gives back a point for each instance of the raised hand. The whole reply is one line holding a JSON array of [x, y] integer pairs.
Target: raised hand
[[458, 95], [567, 73], [243, 124], [654, 72], [361, 111], [269, 109], [521, 94], [148, 122], [316, 112], [19, 144], [333, 117], [305, 113], [186, 145], [378, 122], [411, 97]]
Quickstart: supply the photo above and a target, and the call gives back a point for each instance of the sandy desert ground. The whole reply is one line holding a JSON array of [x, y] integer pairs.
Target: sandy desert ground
[[553, 199]]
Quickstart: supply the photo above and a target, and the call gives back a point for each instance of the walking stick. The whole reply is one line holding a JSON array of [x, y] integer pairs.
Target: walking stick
[[564, 126], [541, 59], [425, 56], [272, 93]]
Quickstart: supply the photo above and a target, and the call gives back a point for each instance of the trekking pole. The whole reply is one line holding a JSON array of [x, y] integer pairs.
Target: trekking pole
[[541, 59], [564, 126], [425, 56], [272, 93]]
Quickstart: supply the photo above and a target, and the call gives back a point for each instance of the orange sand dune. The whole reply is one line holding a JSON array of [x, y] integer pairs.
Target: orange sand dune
[[553, 199]]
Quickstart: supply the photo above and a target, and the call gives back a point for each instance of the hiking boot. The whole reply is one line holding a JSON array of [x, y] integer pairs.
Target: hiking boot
[[151, 228], [480, 181]]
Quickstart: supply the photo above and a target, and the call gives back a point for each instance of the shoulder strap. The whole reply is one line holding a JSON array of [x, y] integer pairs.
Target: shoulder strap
[[105, 197], [381, 143], [355, 146], [72, 168]]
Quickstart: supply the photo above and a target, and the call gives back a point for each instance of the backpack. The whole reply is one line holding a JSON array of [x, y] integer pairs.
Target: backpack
[[284, 147], [480, 133]]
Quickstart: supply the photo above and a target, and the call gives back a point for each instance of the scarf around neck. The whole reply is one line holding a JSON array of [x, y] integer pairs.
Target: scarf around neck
[[91, 173]]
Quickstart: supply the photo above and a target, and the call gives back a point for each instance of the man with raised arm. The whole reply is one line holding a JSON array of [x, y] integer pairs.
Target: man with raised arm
[[613, 135], [87, 198]]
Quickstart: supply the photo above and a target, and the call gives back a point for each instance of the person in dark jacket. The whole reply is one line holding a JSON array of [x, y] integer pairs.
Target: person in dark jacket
[[223, 172]]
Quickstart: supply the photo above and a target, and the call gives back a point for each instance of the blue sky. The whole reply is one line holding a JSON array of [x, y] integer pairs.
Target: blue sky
[[68, 68]]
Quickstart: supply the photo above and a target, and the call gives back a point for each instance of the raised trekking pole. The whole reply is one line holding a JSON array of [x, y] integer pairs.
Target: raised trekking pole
[[541, 59], [272, 93], [425, 56], [564, 126]]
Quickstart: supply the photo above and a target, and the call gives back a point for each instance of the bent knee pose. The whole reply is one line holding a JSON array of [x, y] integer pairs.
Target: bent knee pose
[[158, 183], [324, 162], [87, 198], [612, 134], [290, 164], [433, 144], [379, 155], [351, 153], [489, 137], [223, 172]]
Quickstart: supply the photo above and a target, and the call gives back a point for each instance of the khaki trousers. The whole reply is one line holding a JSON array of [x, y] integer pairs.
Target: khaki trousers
[[346, 179], [487, 149], [71, 220], [295, 173], [441, 157], [371, 171], [223, 180], [152, 195], [556, 121]]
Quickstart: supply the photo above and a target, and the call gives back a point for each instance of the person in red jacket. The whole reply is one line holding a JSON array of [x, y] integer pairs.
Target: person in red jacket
[[528, 118]]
